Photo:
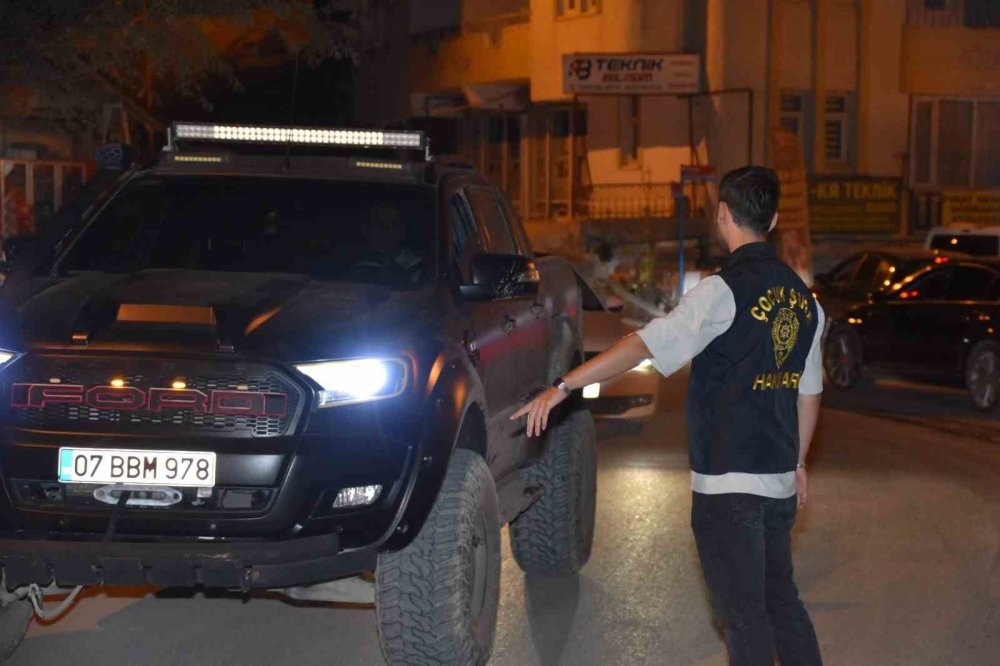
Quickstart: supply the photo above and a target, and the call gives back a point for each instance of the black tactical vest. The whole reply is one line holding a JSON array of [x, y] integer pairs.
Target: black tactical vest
[[742, 401]]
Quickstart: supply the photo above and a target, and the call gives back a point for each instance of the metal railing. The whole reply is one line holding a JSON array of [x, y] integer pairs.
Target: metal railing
[[629, 200], [32, 190], [953, 13]]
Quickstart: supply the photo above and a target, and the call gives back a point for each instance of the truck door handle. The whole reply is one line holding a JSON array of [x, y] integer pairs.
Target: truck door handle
[[509, 324]]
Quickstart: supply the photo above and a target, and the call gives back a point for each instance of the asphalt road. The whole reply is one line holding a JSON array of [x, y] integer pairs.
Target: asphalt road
[[898, 559]]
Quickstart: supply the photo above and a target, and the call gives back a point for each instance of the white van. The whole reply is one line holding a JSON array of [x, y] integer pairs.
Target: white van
[[977, 241]]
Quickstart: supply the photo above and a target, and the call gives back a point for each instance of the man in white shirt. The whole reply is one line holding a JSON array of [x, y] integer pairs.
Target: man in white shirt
[[752, 333]]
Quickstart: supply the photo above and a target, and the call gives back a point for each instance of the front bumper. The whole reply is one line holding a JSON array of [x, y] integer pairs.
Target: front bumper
[[238, 565], [283, 531]]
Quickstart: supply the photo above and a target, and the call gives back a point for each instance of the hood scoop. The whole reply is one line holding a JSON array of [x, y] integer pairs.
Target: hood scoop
[[148, 313], [152, 323]]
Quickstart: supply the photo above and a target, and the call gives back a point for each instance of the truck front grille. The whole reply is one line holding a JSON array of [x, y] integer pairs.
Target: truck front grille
[[271, 398]]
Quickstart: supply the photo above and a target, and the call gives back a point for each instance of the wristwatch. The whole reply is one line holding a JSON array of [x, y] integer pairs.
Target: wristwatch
[[560, 384], [800, 466]]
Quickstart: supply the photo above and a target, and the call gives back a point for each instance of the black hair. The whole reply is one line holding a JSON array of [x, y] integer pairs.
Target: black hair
[[751, 193]]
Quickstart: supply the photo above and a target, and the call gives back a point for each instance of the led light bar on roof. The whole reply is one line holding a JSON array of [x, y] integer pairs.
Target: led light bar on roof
[[303, 136]]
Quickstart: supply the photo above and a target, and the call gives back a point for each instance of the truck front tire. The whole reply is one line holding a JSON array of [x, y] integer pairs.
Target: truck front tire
[[555, 534], [436, 600]]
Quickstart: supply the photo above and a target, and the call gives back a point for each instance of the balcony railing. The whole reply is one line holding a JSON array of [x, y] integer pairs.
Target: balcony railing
[[32, 190], [638, 200], [953, 13]]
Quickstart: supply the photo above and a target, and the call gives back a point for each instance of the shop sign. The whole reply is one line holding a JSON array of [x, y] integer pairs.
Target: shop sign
[[853, 204], [631, 73], [977, 208]]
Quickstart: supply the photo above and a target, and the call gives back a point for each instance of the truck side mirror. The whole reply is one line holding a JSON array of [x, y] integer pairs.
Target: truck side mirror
[[114, 156], [501, 276]]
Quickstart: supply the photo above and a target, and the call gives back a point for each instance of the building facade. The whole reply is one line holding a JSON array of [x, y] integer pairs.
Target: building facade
[[895, 103]]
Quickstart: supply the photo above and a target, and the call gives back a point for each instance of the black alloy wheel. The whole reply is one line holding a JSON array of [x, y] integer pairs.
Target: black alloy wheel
[[982, 375], [842, 358]]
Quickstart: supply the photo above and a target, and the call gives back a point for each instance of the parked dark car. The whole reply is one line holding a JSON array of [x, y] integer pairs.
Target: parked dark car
[[939, 323], [265, 365], [854, 279]]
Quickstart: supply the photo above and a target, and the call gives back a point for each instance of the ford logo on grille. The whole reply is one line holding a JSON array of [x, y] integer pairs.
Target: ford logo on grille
[[155, 400]]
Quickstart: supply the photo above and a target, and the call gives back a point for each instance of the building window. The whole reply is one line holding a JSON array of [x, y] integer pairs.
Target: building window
[[954, 13], [570, 8], [922, 121], [987, 165], [837, 129], [956, 143], [982, 14], [629, 128], [796, 115], [954, 163], [792, 117]]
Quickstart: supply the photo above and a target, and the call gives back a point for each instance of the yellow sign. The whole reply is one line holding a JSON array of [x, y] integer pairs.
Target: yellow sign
[[847, 204], [977, 208]]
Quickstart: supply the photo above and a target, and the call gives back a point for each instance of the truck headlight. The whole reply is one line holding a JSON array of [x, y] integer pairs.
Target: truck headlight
[[356, 380], [6, 357]]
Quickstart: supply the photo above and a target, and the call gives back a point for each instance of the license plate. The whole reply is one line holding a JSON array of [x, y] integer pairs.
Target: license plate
[[148, 468]]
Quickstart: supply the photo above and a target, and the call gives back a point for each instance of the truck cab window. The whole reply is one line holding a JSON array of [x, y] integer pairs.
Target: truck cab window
[[496, 233], [466, 240]]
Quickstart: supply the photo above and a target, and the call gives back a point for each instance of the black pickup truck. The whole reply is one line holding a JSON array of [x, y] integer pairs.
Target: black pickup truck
[[281, 357]]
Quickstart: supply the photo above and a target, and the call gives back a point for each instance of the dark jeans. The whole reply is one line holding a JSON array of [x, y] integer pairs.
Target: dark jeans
[[746, 556]]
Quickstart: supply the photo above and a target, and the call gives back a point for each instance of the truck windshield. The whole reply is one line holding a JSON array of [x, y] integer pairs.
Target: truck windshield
[[359, 232]]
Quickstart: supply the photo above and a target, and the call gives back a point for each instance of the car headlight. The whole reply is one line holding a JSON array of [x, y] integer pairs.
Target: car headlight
[[6, 357], [356, 380]]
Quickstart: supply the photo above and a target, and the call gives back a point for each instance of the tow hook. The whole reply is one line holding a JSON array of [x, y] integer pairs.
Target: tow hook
[[139, 495]]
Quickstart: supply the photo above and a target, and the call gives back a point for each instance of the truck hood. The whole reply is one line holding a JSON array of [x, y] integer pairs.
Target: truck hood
[[288, 317]]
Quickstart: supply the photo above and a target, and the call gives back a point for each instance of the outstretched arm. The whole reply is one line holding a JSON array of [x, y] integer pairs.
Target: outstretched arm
[[704, 313], [621, 357]]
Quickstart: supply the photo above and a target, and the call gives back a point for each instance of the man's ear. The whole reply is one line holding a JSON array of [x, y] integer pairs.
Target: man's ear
[[722, 213], [774, 223]]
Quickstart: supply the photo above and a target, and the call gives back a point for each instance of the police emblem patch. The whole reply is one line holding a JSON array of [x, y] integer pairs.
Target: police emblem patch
[[785, 333]]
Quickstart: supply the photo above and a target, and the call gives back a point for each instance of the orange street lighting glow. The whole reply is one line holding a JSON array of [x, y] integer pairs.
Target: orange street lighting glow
[[118, 382], [179, 384]]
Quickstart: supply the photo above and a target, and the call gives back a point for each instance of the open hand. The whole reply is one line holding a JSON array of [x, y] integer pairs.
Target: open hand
[[802, 486], [538, 410]]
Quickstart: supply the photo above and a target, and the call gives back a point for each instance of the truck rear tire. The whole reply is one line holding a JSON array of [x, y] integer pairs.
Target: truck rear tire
[[14, 620], [555, 534], [436, 600]]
